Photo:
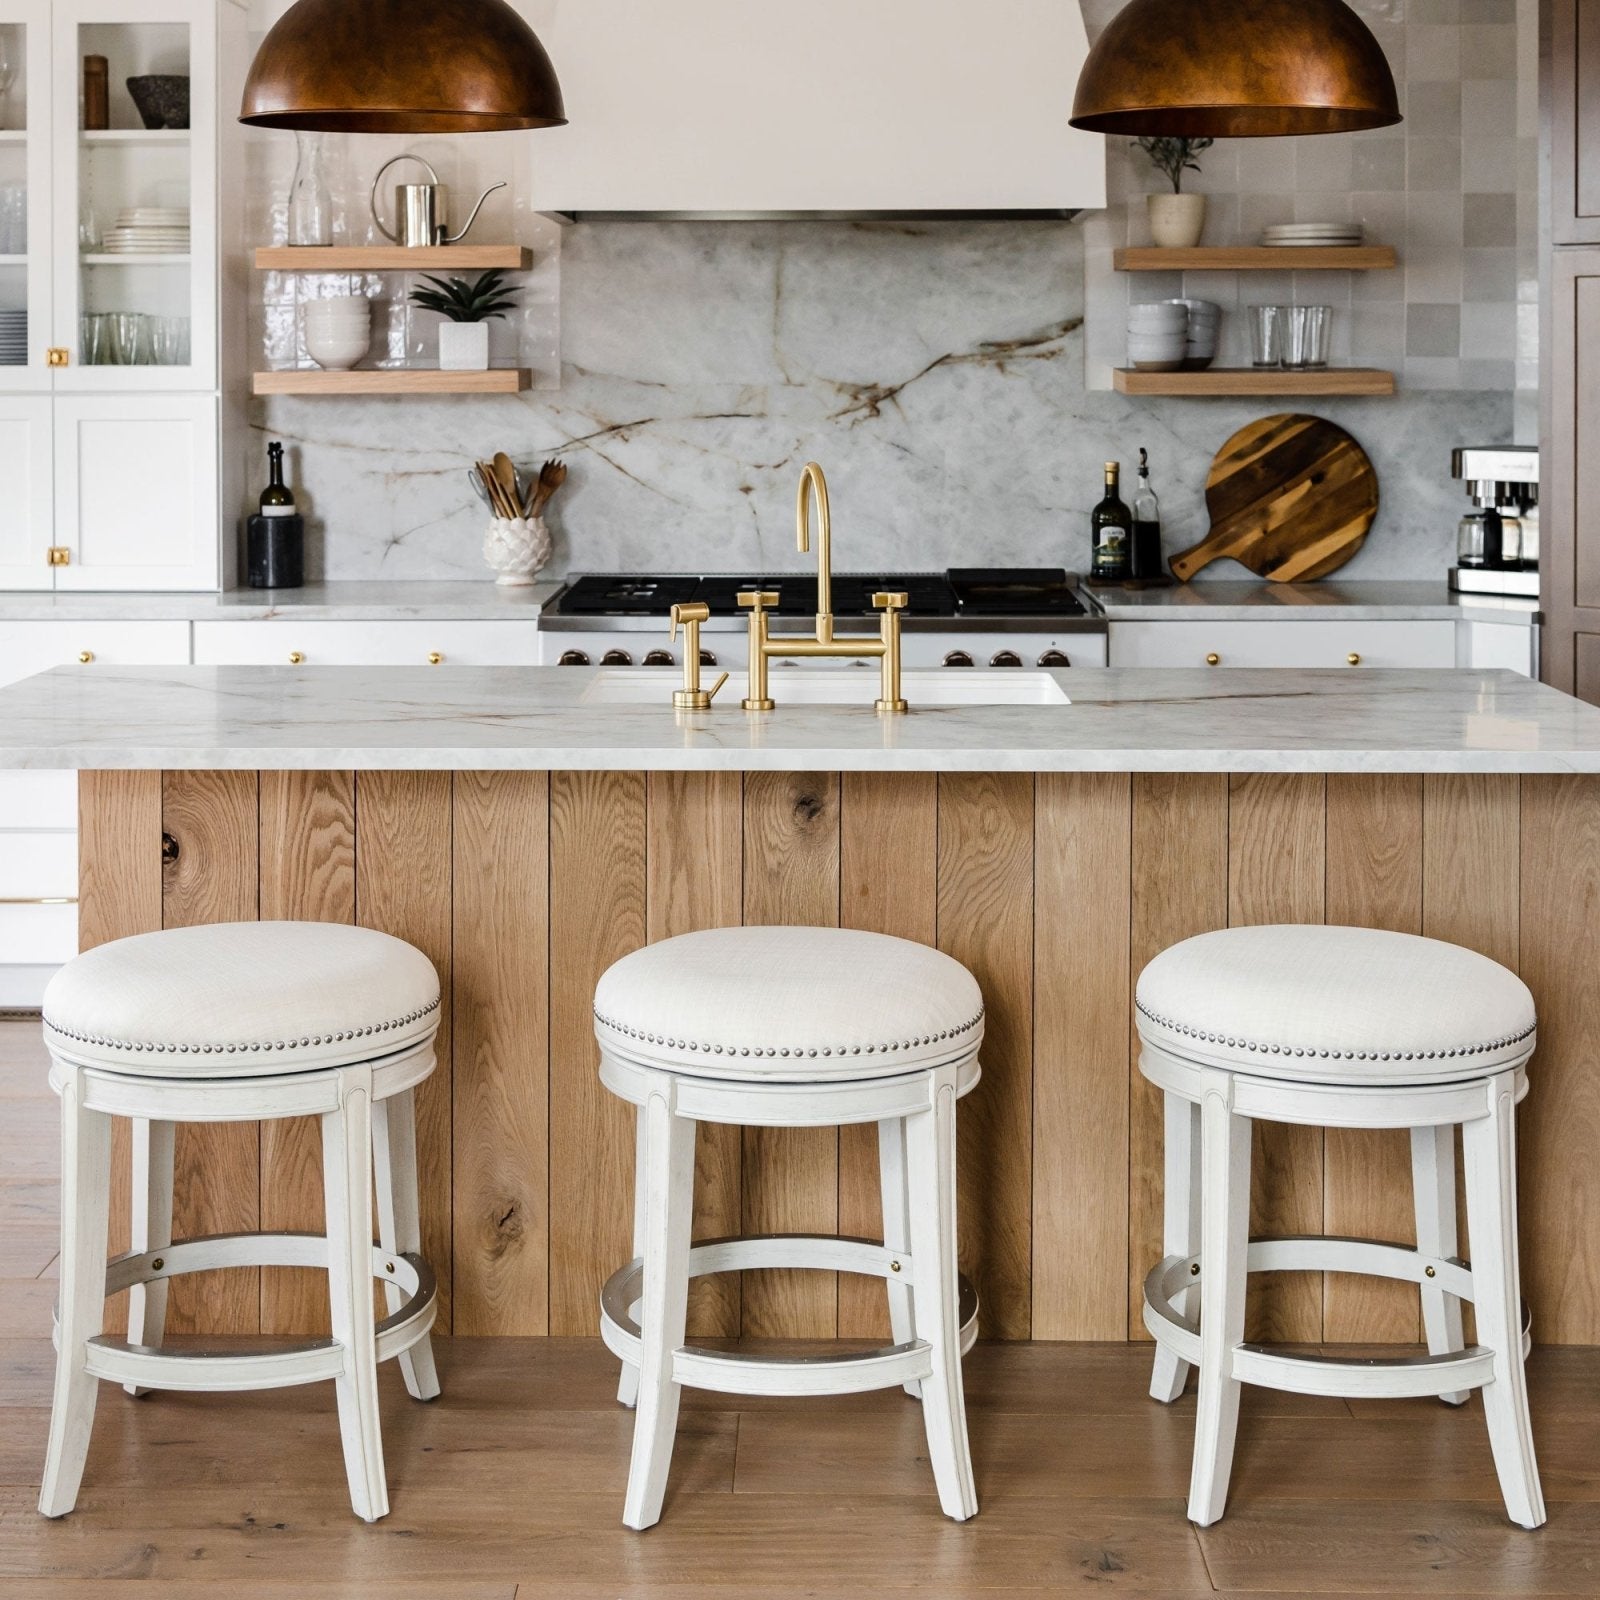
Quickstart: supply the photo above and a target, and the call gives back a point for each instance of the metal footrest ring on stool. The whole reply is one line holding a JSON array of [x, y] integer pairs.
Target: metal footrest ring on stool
[[309, 1362], [1396, 1377], [734, 1373]]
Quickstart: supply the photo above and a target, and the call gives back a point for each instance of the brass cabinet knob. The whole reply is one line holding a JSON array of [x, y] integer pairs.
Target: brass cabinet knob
[[85, 656], [56, 356], [296, 657], [435, 657], [1213, 660], [1354, 659]]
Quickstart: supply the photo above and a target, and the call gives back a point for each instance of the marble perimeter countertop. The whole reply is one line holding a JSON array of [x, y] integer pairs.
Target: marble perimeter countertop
[[545, 718], [1327, 600]]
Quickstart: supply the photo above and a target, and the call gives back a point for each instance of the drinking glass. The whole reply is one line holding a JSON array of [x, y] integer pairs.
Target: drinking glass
[[169, 341], [93, 339], [1266, 335], [1307, 336], [130, 339], [10, 65], [13, 219]]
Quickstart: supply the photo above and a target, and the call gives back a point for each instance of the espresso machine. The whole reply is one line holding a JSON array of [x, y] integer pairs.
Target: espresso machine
[[1497, 543]]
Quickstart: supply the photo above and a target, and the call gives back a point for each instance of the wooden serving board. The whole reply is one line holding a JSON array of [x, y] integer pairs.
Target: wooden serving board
[[1291, 497]]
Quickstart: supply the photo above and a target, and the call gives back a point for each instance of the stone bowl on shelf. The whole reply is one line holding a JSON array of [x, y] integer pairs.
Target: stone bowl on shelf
[[162, 99]]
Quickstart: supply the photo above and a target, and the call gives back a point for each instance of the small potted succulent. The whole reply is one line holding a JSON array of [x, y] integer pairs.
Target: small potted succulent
[[467, 308], [1177, 219]]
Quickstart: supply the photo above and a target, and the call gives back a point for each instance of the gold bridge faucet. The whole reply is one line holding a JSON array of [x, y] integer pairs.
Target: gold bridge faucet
[[886, 647]]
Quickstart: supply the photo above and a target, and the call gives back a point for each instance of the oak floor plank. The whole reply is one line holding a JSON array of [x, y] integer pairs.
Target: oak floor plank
[[403, 888], [1082, 1003], [1179, 889], [597, 915], [308, 873], [791, 1175], [216, 1165], [888, 883], [694, 852], [501, 1081], [986, 865], [1374, 881], [1277, 871]]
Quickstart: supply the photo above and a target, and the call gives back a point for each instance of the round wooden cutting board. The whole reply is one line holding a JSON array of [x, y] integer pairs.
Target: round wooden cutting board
[[1292, 497]]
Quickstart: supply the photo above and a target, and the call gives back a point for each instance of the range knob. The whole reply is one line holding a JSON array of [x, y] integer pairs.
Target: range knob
[[708, 658], [958, 658], [1005, 658], [658, 658], [616, 658], [573, 658], [1054, 658]]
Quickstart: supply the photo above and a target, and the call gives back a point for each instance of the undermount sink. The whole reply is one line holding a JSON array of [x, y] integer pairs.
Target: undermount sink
[[838, 687]]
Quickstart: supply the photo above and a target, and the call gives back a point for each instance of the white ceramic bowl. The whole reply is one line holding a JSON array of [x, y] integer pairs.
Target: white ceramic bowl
[[346, 304], [1175, 317], [336, 352]]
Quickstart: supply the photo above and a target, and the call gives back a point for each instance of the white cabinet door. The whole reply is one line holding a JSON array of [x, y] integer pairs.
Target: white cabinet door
[[136, 491], [25, 236], [30, 647], [284, 641], [1283, 643], [26, 493]]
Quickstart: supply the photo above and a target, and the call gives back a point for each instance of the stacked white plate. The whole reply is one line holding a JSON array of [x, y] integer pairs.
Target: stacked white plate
[[1318, 235], [149, 231], [13, 338]]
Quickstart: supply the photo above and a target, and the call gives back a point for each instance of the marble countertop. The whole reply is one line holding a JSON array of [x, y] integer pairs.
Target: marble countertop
[[397, 601], [1329, 600], [1142, 720]]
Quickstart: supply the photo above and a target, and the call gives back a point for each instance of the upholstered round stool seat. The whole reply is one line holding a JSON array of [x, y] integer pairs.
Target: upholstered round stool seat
[[238, 999], [1335, 1005], [770, 1004]]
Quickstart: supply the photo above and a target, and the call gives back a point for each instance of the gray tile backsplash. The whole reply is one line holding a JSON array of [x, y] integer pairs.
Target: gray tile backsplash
[[954, 377]]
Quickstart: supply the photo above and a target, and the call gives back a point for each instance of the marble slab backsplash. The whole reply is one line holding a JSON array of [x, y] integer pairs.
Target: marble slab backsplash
[[935, 369]]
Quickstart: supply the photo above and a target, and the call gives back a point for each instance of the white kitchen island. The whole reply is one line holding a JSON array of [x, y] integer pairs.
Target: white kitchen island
[[525, 829]]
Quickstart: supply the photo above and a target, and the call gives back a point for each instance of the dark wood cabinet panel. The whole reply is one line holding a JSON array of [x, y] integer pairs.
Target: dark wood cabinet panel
[[1573, 107]]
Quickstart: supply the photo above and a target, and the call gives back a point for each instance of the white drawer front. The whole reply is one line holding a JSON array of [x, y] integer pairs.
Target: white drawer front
[[38, 799], [30, 647], [1283, 644], [33, 936], [343, 644], [35, 866]]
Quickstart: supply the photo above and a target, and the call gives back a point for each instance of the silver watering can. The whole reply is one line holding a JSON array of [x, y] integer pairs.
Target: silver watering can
[[421, 209]]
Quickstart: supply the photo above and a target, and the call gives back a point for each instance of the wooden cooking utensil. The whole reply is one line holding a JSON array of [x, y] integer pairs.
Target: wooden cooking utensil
[[1291, 497], [506, 472]]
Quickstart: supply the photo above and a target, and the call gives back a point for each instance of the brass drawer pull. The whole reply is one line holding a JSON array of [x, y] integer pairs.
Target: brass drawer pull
[[1213, 660], [435, 657], [1354, 659], [85, 657], [296, 658]]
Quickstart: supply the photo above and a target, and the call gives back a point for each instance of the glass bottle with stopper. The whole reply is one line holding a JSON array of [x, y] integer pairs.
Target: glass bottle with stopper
[[1110, 532], [1144, 551]]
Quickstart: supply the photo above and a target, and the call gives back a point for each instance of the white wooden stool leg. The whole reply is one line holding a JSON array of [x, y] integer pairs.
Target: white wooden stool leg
[[897, 1232], [931, 1187], [347, 1194], [1224, 1251], [151, 1230], [394, 1157], [1180, 1203], [1433, 1187], [628, 1382], [668, 1223], [1490, 1148], [85, 1207]]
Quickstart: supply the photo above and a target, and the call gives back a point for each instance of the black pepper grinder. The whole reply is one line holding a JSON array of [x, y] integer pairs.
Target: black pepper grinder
[[276, 536]]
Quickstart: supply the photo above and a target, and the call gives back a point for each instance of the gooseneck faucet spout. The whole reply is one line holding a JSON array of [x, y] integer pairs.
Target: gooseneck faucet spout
[[814, 481]]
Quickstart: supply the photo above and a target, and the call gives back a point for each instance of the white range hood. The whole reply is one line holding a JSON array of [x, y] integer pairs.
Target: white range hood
[[741, 108]]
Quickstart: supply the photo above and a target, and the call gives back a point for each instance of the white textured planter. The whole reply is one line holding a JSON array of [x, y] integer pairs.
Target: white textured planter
[[516, 550], [463, 346], [1177, 220]]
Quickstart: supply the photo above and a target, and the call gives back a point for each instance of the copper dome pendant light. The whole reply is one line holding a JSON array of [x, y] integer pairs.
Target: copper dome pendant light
[[402, 66], [1235, 69]]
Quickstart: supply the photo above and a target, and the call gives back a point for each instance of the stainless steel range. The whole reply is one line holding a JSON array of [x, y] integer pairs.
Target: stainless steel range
[[967, 617]]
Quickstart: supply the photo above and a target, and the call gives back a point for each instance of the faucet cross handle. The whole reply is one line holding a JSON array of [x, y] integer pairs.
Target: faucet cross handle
[[757, 600], [891, 600]]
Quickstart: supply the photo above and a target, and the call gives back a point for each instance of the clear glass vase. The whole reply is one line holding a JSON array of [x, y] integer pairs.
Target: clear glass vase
[[310, 203]]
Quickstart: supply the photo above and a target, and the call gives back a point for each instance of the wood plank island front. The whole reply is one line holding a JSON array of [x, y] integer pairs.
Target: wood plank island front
[[526, 840]]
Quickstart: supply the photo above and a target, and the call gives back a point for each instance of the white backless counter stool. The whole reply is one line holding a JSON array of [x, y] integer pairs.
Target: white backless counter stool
[[236, 1022], [1339, 1028], [792, 1028]]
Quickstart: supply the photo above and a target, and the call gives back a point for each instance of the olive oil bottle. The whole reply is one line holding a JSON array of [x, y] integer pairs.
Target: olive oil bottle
[[1110, 533]]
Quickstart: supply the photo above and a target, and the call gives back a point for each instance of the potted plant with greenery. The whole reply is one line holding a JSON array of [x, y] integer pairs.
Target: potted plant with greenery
[[467, 308], [1176, 220]]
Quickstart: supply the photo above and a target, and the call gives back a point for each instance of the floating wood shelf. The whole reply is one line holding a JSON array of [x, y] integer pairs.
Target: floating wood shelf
[[416, 380], [391, 257], [1258, 258], [1255, 381]]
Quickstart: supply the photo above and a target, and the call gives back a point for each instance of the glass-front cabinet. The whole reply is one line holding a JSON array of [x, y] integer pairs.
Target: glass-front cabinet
[[110, 137]]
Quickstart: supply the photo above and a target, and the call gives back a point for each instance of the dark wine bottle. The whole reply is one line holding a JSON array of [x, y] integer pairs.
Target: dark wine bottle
[[277, 499], [1144, 555], [1110, 532]]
